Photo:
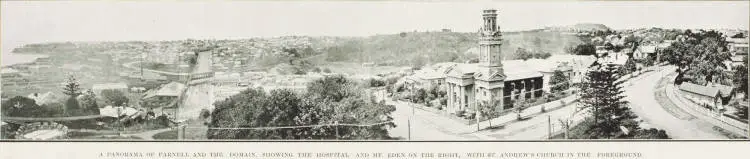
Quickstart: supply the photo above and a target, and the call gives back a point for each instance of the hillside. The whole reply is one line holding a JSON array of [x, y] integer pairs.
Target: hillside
[[403, 49], [420, 47], [590, 27]]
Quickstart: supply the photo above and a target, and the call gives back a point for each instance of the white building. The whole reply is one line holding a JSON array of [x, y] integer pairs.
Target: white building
[[98, 88]]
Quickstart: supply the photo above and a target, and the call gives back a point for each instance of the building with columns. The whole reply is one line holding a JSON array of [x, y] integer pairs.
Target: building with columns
[[468, 85], [497, 82]]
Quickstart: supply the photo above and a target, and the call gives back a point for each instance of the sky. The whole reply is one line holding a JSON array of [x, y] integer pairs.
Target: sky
[[35, 22]]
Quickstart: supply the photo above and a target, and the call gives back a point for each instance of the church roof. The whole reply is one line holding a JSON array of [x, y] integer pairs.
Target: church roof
[[522, 69]]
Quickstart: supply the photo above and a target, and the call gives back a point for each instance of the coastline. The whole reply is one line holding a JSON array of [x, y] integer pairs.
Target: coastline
[[10, 59]]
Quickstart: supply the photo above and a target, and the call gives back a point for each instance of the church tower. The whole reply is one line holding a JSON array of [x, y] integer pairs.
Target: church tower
[[490, 56], [490, 77]]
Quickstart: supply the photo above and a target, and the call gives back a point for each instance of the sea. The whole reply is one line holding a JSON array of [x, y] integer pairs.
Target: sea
[[8, 58]]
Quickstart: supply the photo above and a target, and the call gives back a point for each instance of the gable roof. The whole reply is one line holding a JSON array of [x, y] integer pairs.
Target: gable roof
[[724, 90], [698, 89], [104, 86], [172, 89]]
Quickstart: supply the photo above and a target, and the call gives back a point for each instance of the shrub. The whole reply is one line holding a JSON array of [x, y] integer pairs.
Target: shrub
[[460, 113]]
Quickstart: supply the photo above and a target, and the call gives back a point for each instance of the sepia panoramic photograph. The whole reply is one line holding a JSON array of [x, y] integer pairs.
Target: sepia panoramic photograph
[[390, 71]]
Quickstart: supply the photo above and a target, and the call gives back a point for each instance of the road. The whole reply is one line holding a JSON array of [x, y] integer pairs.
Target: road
[[203, 63], [427, 125], [644, 104], [200, 96]]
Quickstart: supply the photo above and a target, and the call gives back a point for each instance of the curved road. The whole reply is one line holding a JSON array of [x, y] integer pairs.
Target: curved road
[[644, 104]]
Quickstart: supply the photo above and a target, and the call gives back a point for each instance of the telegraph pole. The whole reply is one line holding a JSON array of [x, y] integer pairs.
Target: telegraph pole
[[408, 124], [549, 127], [337, 130], [476, 115]]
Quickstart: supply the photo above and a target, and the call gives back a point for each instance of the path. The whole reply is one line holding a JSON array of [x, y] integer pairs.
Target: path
[[645, 105]]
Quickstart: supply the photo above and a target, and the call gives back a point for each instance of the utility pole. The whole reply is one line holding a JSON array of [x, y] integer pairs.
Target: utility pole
[[549, 127], [408, 124], [476, 115], [337, 130]]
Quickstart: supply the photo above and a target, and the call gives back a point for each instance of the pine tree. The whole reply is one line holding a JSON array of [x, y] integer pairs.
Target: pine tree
[[72, 89], [602, 95], [88, 102]]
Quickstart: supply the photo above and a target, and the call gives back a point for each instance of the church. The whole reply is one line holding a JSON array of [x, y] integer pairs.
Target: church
[[469, 84]]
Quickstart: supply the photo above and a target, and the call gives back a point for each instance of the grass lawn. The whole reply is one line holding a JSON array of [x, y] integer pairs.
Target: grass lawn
[[167, 135]]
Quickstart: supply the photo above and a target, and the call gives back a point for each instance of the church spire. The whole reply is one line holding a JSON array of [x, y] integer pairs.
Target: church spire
[[490, 56]]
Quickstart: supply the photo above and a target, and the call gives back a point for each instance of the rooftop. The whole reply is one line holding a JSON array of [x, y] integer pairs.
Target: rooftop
[[698, 89], [173, 89], [109, 86], [521, 69]]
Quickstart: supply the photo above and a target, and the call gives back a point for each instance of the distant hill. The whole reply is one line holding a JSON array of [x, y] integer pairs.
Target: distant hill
[[406, 48], [420, 47], [584, 27], [590, 27]]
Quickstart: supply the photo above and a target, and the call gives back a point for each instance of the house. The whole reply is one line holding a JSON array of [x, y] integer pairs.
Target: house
[[726, 92], [163, 96], [709, 97], [98, 88], [169, 90], [645, 51], [429, 76], [738, 46]]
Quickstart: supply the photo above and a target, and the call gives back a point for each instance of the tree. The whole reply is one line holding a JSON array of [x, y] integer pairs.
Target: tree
[[651, 134], [630, 66], [72, 88], [488, 111], [583, 49], [559, 82], [115, 97], [523, 54], [331, 100], [372, 82], [88, 102], [602, 96], [740, 78], [701, 56], [20, 106]]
